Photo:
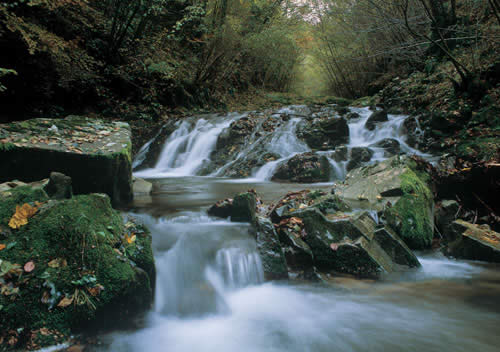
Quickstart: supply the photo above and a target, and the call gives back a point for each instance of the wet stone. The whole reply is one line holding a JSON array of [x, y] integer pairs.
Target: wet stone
[[96, 154]]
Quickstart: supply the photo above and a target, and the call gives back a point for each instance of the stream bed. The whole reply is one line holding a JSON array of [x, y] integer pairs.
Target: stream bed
[[210, 292], [210, 295]]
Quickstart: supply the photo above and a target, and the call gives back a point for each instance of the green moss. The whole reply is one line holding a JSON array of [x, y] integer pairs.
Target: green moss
[[410, 216], [89, 235]]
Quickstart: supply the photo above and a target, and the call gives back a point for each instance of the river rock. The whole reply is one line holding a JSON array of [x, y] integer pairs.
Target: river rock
[[236, 132], [352, 244], [304, 168], [96, 154], [414, 134], [74, 264], [141, 186], [391, 146], [270, 251], [242, 208], [352, 116], [472, 242], [446, 214], [59, 186], [377, 116], [341, 153], [325, 202], [402, 190], [221, 209], [324, 133], [359, 155]]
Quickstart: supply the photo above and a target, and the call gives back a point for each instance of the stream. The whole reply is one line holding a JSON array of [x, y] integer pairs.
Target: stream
[[210, 292]]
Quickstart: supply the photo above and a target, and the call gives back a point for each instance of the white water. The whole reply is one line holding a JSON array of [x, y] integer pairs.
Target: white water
[[188, 149], [210, 297]]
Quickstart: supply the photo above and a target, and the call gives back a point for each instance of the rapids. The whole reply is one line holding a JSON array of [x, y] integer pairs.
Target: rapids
[[210, 292]]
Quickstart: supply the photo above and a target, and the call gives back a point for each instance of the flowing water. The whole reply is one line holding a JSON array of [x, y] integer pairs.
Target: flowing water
[[210, 292]]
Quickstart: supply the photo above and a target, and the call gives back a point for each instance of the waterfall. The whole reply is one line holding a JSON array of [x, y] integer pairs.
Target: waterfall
[[189, 149], [200, 261]]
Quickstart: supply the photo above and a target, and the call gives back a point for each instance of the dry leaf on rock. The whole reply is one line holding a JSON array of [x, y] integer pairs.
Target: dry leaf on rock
[[22, 214], [66, 301]]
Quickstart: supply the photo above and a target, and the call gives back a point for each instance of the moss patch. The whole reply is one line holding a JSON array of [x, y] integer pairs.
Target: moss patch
[[83, 252], [410, 216]]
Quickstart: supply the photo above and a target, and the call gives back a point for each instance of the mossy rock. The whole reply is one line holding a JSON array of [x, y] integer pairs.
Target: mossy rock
[[95, 154], [353, 245], [412, 215], [90, 269], [402, 191]]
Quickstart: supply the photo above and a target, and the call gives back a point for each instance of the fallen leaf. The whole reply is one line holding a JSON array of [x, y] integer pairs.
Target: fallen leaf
[[2, 246], [66, 301], [56, 263], [130, 239], [45, 297], [29, 267], [96, 290], [21, 216]]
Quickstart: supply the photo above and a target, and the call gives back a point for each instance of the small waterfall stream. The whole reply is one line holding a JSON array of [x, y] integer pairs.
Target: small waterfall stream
[[190, 147], [210, 291]]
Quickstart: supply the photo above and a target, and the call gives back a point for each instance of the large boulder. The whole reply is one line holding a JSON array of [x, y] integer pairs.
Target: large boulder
[[324, 133], [473, 242], [400, 188], [94, 153], [350, 244], [67, 265], [376, 117], [304, 168]]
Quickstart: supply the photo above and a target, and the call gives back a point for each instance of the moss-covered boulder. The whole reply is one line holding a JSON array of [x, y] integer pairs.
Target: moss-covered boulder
[[304, 168], [94, 153], [402, 190], [67, 265]]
